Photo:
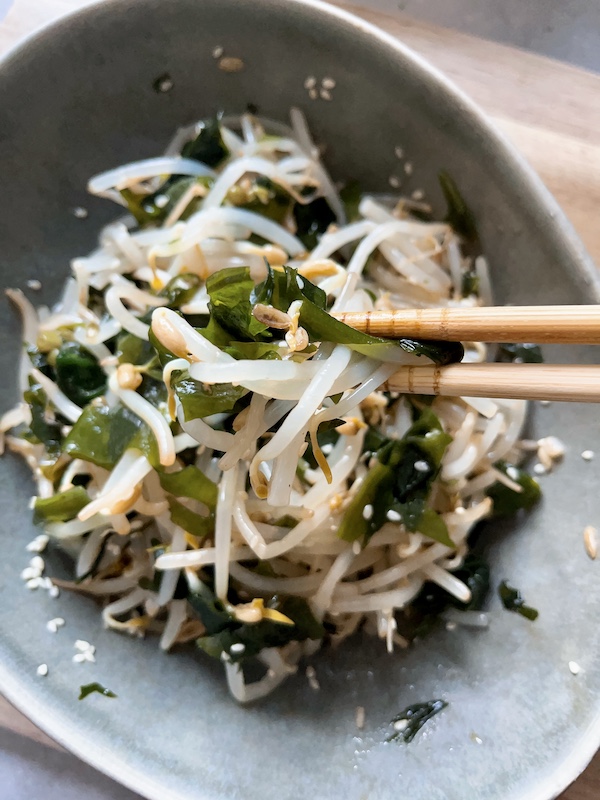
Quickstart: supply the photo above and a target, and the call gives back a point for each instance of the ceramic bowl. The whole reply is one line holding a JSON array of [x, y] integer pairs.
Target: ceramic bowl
[[80, 97]]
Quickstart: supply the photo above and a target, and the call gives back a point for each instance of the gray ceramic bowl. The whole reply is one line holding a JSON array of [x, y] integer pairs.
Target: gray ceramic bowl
[[79, 98]]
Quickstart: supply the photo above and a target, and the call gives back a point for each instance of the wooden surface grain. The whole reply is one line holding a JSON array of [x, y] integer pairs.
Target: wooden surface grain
[[550, 110]]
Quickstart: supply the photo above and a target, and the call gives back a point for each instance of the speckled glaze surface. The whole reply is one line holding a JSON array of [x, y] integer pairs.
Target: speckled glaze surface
[[79, 98]]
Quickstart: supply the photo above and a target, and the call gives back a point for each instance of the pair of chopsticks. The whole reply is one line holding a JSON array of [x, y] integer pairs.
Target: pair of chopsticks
[[502, 324]]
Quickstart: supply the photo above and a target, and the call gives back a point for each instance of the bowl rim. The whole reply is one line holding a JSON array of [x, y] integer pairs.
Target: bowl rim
[[103, 758]]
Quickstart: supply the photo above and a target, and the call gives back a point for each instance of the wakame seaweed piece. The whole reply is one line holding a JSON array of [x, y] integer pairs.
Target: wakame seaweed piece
[[525, 353], [230, 291], [506, 501], [223, 629], [312, 220], [415, 717], [190, 482], [190, 521], [40, 429], [458, 213], [61, 507], [78, 373], [40, 361], [281, 288], [350, 195], [397, 481], [102, 434], [202, 400], [513, 600], [181, 289], [208, 145], [90, 688], [263, 197], [470, 283]]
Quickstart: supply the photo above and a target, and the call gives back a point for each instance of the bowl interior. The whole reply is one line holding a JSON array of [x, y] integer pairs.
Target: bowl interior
[[80, 98]]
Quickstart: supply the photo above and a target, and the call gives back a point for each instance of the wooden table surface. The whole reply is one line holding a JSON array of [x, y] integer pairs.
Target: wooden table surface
[[549, 109]]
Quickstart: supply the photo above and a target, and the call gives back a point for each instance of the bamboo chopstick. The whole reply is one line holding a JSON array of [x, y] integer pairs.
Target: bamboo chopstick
[[540, 324], [571, 382]]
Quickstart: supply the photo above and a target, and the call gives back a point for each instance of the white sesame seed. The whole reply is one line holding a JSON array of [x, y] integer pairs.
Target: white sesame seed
[[54, 591], [34, 284], [539, 469], [225, 656], [165, 85], [394, 182], [42, 670], [311, 676], [418, 194], [408, 168], [327, 448], [401, 725], [31, 503], [310, 82], [28, 574], [393, 516], [360, 717], [451, 626], [590, 540], [399, 152], [325, 94], [34, 583], [217, 52], [367, 511], [38, 545], [587, 455], [237, 647], [82, 645], [80, 212], [313, 94], [161, 200], [54, 624], [328, 83], [89, 656], [476, 739], [37, 563], [544, 402], [574, 667], [459, 510], [421, 466], [79, 658], [46, 583], [512, 472], [356, 548]]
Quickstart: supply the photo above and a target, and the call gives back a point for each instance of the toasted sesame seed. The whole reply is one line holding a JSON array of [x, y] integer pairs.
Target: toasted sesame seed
[[328, 83], [367, 511], [418, 194], [360, 717], [574, 667], [237, 647], [34, 284], [399, 152], [80, 212], [421, 466], [165, 84], [590, 540], [393, 516], [401, 725], [394, 182], [325, 94], [327, 448], [544, 402], [451, 626], [539, 469], [587, 455], [231, 64], [310, 82], [217, 52], [313, 93], [42, 670], [161, 200], [476, 739], [356, 548], [408, 168]]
